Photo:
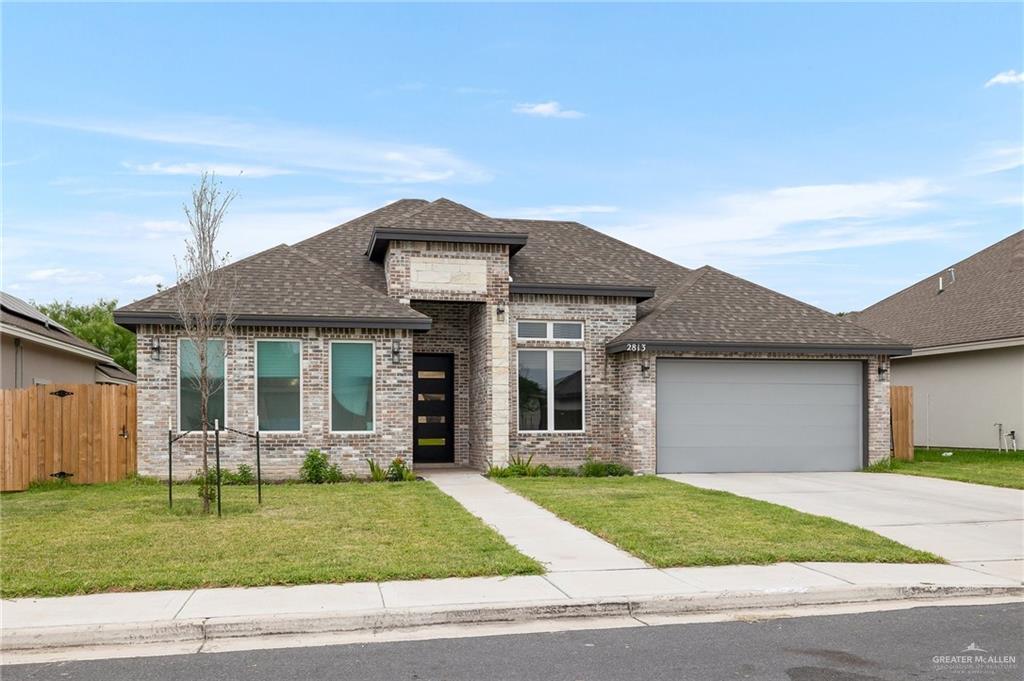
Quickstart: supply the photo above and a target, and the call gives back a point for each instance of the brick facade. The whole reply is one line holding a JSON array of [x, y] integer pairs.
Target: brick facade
[[603, 319], [464, 289], [281, 453]]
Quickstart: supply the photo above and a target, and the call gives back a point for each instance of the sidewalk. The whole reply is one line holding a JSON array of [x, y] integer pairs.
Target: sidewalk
[[204, 614], [559, 546], [586, 577]]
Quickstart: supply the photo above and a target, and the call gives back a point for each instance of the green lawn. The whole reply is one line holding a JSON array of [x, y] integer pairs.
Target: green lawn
[[981, 466], [122, 537], [670, 524]]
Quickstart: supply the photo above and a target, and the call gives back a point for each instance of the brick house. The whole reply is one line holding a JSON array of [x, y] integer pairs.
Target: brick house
[[433, 332]]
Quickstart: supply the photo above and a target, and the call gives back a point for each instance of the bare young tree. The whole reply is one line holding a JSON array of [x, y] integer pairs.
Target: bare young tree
[[204, 297]]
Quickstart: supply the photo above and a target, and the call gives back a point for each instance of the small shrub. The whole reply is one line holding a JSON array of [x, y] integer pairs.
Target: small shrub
[[244, 475], [881, 466], [563, 472], [603, 469], [377, 473], [317, 469], [497, 472], [520, 467], [398, 471]]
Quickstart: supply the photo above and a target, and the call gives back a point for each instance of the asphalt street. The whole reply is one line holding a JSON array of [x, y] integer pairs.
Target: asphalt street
[[951, 642]]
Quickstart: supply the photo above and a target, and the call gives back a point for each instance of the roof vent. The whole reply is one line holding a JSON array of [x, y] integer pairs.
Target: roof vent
[[952, 275], [940, 285]]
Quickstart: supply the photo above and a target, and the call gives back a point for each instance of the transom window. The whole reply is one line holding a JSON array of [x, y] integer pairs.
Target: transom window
[[278, 385], [352, 371], [550, 330], [551, 390], [188, 384]]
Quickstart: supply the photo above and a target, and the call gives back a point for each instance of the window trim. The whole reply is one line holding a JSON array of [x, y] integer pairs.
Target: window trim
[[177, 381], [549, 330], [550, 381], [330, 387], [256, 384]]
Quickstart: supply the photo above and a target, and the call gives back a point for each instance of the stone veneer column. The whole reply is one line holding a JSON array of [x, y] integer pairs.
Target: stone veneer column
[[499, 379]]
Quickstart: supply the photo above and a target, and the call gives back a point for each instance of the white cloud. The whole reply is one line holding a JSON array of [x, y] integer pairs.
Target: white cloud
[[158, 229], [292, 147], [550, 109], [64, 275], [229, 169], [151, 280], [562, 211], [786, 220], [1010, 77], [997, 160]]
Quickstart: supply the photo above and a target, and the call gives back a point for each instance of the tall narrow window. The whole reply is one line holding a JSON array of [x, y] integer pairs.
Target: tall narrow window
[[533, 390], [278, 385], [188, 384], [351, 387], [551, 390], [567, 379]]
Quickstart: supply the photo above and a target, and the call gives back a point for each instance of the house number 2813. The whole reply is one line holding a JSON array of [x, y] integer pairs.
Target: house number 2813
[[636, 347]]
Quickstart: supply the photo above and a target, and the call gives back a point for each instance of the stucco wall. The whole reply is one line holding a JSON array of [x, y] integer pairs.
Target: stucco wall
[[41, 363], [959, 396]]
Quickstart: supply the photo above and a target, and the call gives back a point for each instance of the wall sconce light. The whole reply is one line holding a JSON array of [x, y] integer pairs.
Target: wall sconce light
[[645, 365], [500, 312], [396, 349], [882, 371], [156, 348]]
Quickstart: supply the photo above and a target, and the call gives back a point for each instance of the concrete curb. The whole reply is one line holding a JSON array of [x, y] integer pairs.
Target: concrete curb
[[200, 630]]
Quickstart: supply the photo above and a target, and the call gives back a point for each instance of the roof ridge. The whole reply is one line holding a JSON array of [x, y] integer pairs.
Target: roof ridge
[[958, 263], [420, 203], [605, 235], [671, 296], [803, 304], [165, 291], [443, 201]]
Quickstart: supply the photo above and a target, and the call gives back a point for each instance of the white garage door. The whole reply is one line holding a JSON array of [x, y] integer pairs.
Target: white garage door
[[759, 416]]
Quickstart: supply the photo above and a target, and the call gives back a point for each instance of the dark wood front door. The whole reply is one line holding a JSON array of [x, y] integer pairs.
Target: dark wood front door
[[433, 385]]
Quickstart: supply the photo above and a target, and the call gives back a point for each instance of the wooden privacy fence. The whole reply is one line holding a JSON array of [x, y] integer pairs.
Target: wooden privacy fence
[[84, 431], [901, 409]]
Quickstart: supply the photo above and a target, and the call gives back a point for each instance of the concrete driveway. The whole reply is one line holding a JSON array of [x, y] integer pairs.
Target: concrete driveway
[[975, 526]]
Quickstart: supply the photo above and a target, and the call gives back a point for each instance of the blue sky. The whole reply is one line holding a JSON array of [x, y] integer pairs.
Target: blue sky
[[833, 152]]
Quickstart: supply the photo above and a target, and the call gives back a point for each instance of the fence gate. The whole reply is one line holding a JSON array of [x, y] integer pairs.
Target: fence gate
[[901, 409], [84, 432]]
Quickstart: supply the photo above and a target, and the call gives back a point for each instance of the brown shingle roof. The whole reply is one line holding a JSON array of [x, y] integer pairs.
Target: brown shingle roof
[[444, 215], [329, 276], [711, 309], [284, 285], [982, 300]]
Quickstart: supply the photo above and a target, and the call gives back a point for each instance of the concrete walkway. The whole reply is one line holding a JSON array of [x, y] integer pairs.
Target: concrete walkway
[[232, 613], [540, 534], [974, 526]]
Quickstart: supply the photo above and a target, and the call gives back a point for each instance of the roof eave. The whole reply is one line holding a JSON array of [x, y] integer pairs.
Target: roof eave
[[380, 239], [641, 293], [41, 339], [132, 320], [630, 345]]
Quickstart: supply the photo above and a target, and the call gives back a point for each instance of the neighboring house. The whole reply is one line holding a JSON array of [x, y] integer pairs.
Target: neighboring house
[[430, 331], [36, 350], [966, 325]]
